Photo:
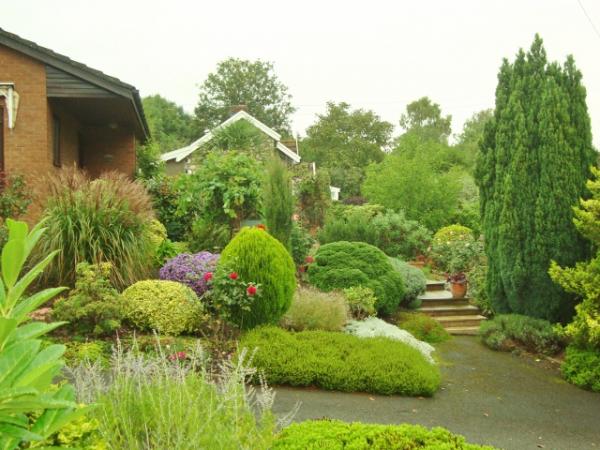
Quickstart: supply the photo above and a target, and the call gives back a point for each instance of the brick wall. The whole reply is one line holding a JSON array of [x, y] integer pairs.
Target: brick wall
[[107, 149]]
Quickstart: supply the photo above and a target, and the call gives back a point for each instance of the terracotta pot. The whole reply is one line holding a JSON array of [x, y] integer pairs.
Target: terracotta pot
[[459, 290]]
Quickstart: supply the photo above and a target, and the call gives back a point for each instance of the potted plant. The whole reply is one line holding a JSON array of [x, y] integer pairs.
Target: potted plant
[[458, 284]]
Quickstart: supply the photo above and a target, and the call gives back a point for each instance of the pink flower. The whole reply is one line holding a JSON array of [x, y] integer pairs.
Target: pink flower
[[233, 275], [178, 356], [309, 260], [251, 290], [208, 276]]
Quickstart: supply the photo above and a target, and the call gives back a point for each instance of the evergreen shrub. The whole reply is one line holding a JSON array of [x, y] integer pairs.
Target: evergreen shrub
[[312, 309], [414, 279], [167, 307], [341, 265], [258, 257], [582, 368], [341, 362]]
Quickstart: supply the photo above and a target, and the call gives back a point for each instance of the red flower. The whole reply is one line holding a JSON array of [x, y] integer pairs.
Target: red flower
[[233, 275], [208, 276], [309, 260], [178, 356], [260, 226], [251, 290]]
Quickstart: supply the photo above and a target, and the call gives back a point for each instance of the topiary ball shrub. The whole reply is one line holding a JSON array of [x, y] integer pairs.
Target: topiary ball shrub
[[165, 306], [190, 270], [336, 435], [258, 257], [343, 264]]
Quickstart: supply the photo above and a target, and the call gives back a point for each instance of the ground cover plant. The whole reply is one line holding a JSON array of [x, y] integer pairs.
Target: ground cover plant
[[341, 265], [190, 269], [510, 331], [96, 221], [167, 307], [422, 327], [312, 309], [341, 362], [337, 435], [255, 256]]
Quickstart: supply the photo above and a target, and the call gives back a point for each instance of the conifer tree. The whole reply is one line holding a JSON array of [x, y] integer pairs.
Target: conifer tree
[[534, 160], [278, 201]]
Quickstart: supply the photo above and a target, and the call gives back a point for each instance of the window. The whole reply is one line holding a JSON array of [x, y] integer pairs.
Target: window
[[56, 141]]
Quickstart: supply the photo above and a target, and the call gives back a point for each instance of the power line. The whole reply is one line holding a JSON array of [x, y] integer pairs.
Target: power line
[[589, 19]]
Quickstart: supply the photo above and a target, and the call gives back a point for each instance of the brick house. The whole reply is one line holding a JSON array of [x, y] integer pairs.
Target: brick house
[[55, 113]]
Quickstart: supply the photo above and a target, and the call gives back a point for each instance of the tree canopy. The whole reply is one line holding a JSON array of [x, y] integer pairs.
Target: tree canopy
[[346, 141], [535, 158], [170, 126], [242, 82], [424, 118]]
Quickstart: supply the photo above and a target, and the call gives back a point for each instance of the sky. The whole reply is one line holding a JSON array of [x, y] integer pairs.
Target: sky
[[375, 54]]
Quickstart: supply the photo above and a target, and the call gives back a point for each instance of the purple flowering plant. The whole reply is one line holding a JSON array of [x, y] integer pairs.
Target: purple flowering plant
[[190, 269]]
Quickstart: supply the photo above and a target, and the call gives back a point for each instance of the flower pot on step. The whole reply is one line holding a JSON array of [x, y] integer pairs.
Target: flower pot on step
[[459, 290]]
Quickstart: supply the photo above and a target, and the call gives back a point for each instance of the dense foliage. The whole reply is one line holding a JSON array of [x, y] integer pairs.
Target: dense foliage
[[535, 158], [454, 249], [301, 242], [336, 435], [190, 270], [361, 301], [345, 142], [414, 178], [167, 307], [32, 408], [391, 232], [509, 331], [341, 362], [242, 82], [170, 126], [312, 309], [278, 201], [582, 368], [341, 265], [424, 119], [96, 221], [414, 280], [422, 327], [15, 197], [94, 307], [314, 197], [258, 257]]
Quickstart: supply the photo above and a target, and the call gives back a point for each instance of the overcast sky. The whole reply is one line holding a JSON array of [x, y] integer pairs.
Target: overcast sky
[[378, 55]]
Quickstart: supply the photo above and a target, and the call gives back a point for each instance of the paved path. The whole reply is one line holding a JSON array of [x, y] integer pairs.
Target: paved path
[[492, 398]]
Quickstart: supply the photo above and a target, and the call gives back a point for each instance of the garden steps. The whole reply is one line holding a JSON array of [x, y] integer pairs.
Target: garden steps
[[457, 316]]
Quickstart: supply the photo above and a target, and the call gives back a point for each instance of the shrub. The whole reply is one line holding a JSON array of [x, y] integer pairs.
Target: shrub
[[337, 435], [314, 197], [342, 362], [95, 221], [258, 257], [315, 310], [478, 289], [190, 270], [94, 306], [454, 249], [301, 242], [93, 351], [414, 279], [32, 408], [423, 327], [165, 306], [389, 231], [341, 265], [167, 193], [15, 197], [83, 433], [278, 201], [206, 234], [361, 301], [507, 331], [162, 402], [582, 368]]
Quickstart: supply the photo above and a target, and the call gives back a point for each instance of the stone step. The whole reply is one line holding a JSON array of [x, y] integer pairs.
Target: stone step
[[463, 331], [443, 302], [449, 310], [435, 285], [460, 321], [436, 295]]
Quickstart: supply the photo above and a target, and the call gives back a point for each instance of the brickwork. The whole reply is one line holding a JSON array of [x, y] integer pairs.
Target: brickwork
[[108, 149]]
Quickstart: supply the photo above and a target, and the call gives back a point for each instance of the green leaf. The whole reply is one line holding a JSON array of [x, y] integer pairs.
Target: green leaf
[[34, 329], [15, 359], [17, 229], [13, 257], [13, 393], [30, 304], [7, 326], [45, 361]]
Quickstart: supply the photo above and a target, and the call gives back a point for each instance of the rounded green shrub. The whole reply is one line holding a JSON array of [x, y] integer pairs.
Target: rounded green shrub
[[414, 279], [341, 265], [258, 257], [165, 306], [582, 368], [423, 327]]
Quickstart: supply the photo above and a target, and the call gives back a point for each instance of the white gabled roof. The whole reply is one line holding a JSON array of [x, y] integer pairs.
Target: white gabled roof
[[182, 153]]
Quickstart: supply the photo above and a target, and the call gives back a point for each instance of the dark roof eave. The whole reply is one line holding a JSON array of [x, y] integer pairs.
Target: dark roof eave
[[79, 70]]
